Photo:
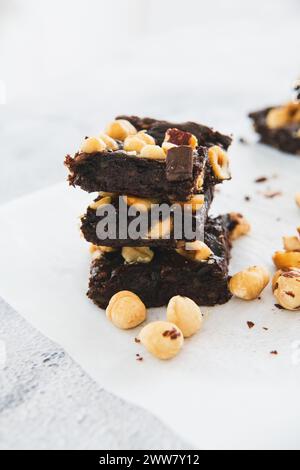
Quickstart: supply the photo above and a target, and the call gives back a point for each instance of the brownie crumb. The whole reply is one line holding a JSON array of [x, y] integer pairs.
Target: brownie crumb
[[280, 307], [275, 353], [272, 194], [243, 141], [265, 328], [247, 198], [139, 358], [136, 340], [250, 324], [261, 179]]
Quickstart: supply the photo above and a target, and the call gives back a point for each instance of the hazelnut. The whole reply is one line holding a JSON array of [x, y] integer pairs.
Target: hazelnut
[[195, 251], [140, 203], [249, 284], [291, 243], [155, 152], [101, 202], [110, 143], [185, 314], [297, 197], [219, 161], [133, 143], [277, 117], [93, 144], [161, 229], [126, 310], [146, 138], [195, 203], [200, 182], [97, 250], [241, 225], [287, 289], [283, 115], [162, 339], [120, 129], [137, 254], [286, 259]]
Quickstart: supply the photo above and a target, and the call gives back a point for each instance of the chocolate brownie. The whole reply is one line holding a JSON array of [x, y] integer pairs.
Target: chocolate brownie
[[121, 173], [168, 273], [183, 172], [94, 232], [285, 138]]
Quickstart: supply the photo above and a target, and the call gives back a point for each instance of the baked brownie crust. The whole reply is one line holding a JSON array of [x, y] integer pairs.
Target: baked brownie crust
[[284, 138], [90, 221], [157, 128], [168, 273]]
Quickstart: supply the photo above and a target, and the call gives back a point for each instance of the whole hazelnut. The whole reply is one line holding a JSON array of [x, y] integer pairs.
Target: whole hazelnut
[[126, 310], [185, 314], [162, 339], [249, 284], [286, 288]]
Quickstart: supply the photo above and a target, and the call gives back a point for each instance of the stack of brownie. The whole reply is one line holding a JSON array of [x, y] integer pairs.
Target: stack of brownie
[[142, 163]]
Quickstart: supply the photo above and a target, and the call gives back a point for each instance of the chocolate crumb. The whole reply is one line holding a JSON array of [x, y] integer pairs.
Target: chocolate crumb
[[275, 353], [250, 324], [265, 328], [259, 298], [136, 340], [272, 194], [247, 198], [139, 358], [261, 179], [280, 307], [172, 334], [244, 141]]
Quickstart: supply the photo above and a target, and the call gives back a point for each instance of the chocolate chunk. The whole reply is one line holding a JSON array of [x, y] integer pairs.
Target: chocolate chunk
[[178, 137], [179, 163]]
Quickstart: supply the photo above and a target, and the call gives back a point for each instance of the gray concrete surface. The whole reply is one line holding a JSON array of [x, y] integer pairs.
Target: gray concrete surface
[[48, 402]]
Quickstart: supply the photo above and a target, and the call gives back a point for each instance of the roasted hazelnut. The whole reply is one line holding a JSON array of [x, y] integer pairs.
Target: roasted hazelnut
[[195, 203], [240, 225], [133, 143], [162, 339], [101, 202], [146, 138], [110, 143], [283, 115], [120, 129], [154, 152], [195, 251], [137, 254], [277, 117], [126, 310], [140, 204], [219, 161], [286, 289], [162, 229], [93, 144], [185, 314], [94, 249], [291, 243], [286, 259], [249, 284]]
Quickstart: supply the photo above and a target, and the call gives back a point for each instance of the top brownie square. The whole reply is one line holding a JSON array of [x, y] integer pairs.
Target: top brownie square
[[176, 162]]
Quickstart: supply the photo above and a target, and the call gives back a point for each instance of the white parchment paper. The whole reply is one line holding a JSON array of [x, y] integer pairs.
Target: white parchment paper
[[225, 390]]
